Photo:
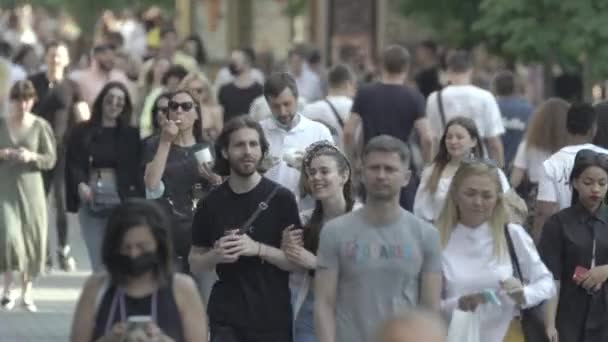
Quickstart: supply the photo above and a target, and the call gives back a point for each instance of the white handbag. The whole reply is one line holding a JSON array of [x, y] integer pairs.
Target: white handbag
[[464, 327]]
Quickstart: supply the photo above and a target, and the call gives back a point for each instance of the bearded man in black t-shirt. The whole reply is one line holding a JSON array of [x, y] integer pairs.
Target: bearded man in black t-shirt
[[61, 104], [251, 300]]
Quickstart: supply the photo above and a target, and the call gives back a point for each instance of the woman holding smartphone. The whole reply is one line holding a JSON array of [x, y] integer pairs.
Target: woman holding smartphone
[[478, 270], [574, 245], [326, 175], [140, 298]]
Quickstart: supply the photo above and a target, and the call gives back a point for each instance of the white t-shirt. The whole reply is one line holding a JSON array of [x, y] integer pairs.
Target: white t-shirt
[[322, 112], [428, 206], [554, 185], [468, 101], [300, 137], [530, 159]]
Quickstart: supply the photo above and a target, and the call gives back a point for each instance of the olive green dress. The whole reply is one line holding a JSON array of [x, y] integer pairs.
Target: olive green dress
[[23, 209]]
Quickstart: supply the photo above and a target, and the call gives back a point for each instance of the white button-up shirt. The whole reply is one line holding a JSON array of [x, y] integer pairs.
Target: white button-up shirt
[[299, 138]]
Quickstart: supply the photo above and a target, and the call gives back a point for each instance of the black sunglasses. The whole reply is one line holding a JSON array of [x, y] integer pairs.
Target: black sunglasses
[[186, 106], [162, 110]]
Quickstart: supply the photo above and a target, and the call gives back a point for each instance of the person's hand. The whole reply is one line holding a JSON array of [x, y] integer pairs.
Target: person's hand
[[296, 160], [117, 333], [514, 290], [269, 162], [247, 246], [85, 193], [226, 248], [595, 278], [552, 334], [24, 155], [205, 171], [471, 302], [292, 237], [154, 334], [169, 130], [7, 153], [300, 256]]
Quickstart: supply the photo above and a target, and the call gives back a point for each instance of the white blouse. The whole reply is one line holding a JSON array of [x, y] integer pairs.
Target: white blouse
[[530, 159], [469, 266], [428, 206]]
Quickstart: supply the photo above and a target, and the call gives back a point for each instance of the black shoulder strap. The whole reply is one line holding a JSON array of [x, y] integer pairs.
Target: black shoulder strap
[[441, 109], [513, 255], [261, 207], [335, 111]]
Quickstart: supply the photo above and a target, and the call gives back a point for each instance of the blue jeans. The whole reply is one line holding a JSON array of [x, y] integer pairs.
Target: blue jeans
[[304, 329], [93, 229]]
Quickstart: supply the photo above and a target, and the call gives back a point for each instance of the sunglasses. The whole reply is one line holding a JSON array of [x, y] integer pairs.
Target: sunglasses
[[186, 106], [162, 110], [117, 100]]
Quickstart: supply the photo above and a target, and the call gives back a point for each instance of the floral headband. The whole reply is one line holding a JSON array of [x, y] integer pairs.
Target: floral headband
[[318, 148]]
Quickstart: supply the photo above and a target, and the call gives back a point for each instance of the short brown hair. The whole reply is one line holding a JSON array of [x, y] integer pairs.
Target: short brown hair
[[395, 59], [279, 81], [388, 144], [504, 83], [459, 61], [22, 90]]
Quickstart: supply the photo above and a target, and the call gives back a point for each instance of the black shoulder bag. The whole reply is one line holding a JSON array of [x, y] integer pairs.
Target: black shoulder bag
[[246, 227], [333, 130], [532, 322], [441, 109]]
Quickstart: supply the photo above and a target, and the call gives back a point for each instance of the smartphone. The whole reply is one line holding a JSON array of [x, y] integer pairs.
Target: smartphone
[[138, 322], [579, 273]]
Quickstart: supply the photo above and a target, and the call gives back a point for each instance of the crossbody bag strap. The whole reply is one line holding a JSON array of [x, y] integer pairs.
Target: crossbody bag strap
[[261, 207], [513, 255], [335, 111], [441, 109]]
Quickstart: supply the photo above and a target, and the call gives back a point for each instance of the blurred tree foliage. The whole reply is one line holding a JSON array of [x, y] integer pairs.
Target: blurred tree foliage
[[571, 33]]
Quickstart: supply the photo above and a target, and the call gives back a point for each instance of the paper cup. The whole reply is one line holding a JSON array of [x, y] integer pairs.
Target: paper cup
[[203, 156]]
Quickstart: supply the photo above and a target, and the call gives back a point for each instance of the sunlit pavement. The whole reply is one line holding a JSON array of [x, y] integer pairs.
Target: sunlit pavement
[[55, 295]]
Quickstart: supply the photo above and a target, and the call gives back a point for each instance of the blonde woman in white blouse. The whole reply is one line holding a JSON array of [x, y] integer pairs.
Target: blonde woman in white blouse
[[475, 254], [460, 141]]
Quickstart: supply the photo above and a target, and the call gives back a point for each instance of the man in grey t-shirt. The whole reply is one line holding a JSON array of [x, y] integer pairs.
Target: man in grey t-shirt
[[378, 261]]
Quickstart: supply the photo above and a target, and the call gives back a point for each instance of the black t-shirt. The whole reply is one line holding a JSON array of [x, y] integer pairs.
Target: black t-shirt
[[388, 109], [103, 148], [428, 81], [56, 103], [251, 293], [236, 101]]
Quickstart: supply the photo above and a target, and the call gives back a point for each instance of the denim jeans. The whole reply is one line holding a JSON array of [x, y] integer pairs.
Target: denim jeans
[[93, 229], [304, 330]]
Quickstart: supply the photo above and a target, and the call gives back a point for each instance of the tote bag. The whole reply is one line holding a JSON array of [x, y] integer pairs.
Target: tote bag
[[464, 327]]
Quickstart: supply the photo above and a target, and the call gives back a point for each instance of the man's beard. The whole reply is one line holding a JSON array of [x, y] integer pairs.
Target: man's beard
[[235, 167]]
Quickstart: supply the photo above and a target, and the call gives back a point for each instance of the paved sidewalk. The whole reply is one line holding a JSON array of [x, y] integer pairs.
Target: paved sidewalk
[[55, 295]]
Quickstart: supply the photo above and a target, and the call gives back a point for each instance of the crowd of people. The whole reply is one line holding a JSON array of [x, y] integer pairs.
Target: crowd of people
[[296, 205]]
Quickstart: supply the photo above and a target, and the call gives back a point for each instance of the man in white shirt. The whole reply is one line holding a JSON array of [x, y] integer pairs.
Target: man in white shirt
[[334, 110], [554, 190], [461, 98], [288, 132]]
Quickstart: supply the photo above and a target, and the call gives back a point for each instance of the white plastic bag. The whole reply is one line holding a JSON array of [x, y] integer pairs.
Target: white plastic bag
[[464, 327]]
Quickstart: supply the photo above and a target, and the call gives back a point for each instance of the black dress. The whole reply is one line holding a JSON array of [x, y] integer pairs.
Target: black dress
[[567, 242]]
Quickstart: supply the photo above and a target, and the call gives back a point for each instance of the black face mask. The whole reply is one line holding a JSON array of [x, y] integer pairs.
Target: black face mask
[[234, 69], [135, 267]]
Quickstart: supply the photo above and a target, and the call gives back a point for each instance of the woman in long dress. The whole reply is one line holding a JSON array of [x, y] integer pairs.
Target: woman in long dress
[[27, 146]]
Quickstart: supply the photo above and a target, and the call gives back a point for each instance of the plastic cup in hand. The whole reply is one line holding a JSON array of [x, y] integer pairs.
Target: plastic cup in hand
[[204, 156]]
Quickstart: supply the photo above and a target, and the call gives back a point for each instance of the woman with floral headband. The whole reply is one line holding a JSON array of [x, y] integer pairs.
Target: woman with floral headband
[[326, 177]]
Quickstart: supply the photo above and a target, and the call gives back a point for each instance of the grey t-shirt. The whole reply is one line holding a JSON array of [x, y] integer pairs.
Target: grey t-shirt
[[379, 269]]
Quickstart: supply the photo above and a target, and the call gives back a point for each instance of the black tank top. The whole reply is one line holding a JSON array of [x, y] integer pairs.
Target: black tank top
[[118, 306]]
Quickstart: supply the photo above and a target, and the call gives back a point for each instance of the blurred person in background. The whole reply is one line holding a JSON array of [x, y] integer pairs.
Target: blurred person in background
[[515, 111], [224, 75], [168, 48], [194, 47], [574, 245], [427, 59], [17, 72], [27, 147], [160, 113], [546, 134], [461, 98], [103, 165], [601, 136], [201, 88], [140, 281], [480, 248], [308, 82], [60, 103], [26, 57], [237, 96], [333, 111]]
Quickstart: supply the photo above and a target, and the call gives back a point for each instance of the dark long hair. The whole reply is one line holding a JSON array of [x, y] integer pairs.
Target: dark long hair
[[134, 213], [443, 156], [585, 159], [197, 128], [124, 119], [155, 123], [312, 228], [201, 52]]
